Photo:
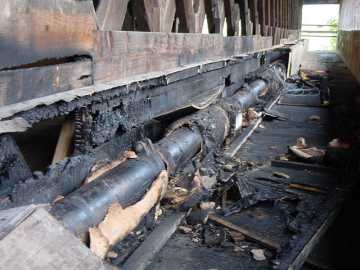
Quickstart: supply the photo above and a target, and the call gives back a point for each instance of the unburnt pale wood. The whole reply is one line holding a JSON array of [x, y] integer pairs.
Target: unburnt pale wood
[[62, 149]]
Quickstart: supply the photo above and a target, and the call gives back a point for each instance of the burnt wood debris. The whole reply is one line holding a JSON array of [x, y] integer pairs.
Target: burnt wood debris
[[176, 134]]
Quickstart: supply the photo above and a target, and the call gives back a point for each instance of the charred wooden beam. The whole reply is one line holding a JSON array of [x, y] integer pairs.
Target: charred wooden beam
[[31, 31], [121, 55], [130, 105], [21, 84]]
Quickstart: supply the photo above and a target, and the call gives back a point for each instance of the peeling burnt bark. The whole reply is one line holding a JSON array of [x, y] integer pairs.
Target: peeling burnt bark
[[60, 178]]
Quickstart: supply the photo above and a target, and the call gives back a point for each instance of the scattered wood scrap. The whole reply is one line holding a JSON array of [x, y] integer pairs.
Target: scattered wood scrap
[[281, 175], [314, 118], [248, 234], [307, 188], [258, 254], [338, 144], [64, 142], [303, 151]]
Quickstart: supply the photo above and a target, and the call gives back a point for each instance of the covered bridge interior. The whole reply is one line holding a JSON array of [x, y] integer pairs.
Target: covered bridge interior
[[177, 134]]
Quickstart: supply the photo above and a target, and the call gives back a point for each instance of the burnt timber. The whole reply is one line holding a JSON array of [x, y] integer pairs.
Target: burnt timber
[[190, 134]]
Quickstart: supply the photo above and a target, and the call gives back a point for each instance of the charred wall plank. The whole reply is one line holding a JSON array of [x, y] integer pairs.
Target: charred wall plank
[[33, 30], [22, 84], [136, 100]]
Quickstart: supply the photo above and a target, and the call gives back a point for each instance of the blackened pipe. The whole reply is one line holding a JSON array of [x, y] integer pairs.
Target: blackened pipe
[[247, 98], [126, 183]]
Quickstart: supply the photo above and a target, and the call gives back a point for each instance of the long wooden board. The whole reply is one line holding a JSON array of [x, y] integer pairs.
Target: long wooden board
[[33, 30], [28, 83], [40, 242], [125, 54]]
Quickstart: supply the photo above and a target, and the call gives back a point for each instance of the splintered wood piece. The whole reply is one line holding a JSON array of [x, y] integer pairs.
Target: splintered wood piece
[[307, 188], [281, 175], [64, 142], [250, 235], [119, 221]]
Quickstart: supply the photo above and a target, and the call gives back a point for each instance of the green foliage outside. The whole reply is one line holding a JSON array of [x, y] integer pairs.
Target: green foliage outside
[[333, 27]]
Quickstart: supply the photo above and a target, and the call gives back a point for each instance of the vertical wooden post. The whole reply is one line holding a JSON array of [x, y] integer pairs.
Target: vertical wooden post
[[63, 145], [191, 15], [232, 15], [246, 23], [215, 15]]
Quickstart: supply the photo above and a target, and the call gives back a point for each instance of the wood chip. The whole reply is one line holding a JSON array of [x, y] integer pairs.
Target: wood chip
[[185, 229], [252, 114], [314, 118], [258, 254], [207, 205], [300, 143], [338, 144], [112, 254], [58, 199], [307, 153]]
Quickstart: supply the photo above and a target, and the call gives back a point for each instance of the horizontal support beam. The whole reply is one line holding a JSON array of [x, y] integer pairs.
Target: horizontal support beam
[[122, 56]]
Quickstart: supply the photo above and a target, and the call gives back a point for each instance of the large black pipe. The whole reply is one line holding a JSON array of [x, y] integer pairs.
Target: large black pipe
[[248, 96], [126, 183]]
